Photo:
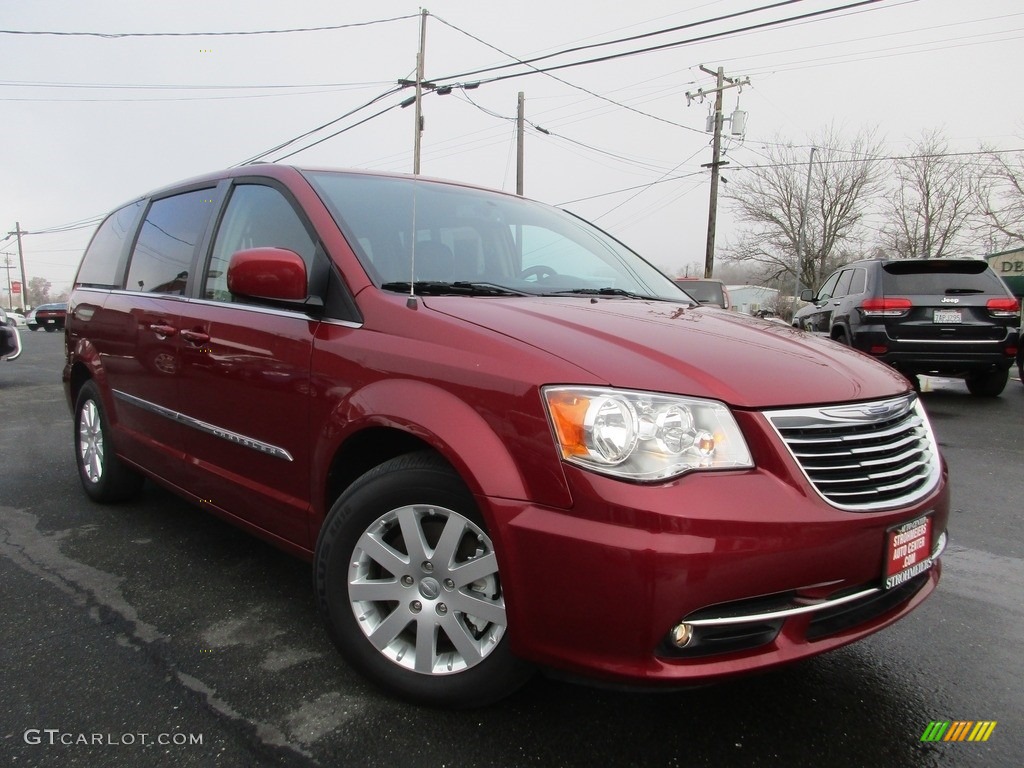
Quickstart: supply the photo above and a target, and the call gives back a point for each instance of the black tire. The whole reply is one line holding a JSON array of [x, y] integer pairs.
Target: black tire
[[843, 337], [104, 477], [418, 600], [51, 328], [987, 384]]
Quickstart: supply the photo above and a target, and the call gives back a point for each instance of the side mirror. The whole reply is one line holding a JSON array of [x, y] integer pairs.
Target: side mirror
[[806, 295], [276, 274]]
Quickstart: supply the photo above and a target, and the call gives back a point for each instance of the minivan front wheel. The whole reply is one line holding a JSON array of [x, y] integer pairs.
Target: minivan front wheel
[[407, 581], [988, 383], [104, 477]]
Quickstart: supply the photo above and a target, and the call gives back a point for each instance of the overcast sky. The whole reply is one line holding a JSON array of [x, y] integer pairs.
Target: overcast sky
[[90, 122]]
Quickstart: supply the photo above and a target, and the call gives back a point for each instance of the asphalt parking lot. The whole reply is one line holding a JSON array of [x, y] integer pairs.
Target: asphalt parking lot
[[153, 634]]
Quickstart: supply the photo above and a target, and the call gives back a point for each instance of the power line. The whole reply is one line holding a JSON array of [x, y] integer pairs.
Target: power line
[[650, 49], [537, 70], [181, 87], [206, 34], [579, 48], [630, 189], [310, 132], [343, 130], [865, 158]]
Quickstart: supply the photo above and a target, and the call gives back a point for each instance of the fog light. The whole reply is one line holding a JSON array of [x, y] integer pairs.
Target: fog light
[[878, 349], [681, 634]]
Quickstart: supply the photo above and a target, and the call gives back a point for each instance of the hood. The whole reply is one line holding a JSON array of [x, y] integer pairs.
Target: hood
[[661, 346]]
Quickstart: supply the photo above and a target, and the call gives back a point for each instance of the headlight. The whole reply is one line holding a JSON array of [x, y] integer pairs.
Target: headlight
[[643, 436]]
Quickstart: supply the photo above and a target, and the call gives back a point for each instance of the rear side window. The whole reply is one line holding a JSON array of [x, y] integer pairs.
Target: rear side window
[[843, 286], [858, 281], [257, 216], [103, 262], [939, 277], [163, 252]]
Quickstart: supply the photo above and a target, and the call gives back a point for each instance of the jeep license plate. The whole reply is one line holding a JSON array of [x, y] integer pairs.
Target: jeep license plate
[[947, 316], [908, 551]]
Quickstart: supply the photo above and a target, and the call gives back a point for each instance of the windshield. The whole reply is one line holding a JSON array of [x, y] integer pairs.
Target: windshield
[[431, 235]]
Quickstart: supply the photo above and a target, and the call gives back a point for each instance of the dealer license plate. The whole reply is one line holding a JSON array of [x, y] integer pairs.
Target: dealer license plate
[[947, 316], [908, 551]]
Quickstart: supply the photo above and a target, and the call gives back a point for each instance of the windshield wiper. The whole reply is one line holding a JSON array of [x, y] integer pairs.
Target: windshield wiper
[[458, 288], [600, 292]]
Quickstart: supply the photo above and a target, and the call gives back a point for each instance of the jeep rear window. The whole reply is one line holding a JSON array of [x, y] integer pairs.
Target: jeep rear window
[[939, 277]]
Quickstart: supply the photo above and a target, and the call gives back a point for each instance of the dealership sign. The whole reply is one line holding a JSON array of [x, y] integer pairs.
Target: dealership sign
[[1009, 265]]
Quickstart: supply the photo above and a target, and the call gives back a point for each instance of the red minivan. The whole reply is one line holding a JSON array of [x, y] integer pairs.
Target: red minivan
[[504, 440]]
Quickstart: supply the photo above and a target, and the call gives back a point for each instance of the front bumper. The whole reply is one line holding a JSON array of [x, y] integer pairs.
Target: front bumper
[[596, 591]]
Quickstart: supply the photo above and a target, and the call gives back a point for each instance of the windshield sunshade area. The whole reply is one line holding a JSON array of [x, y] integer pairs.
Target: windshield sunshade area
[[429, 236]]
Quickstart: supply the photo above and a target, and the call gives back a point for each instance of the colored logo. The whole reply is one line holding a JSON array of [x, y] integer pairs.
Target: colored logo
[[958, 730]]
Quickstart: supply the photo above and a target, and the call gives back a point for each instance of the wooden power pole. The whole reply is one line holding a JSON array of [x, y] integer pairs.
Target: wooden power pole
[[722, 83]]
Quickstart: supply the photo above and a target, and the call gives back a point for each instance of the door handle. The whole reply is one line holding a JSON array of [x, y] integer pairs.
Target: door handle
[[195, 337], [163, 331]]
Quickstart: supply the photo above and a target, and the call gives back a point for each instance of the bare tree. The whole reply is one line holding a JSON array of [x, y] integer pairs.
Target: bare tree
[[768, 201], [1000, 197], [932, 202]]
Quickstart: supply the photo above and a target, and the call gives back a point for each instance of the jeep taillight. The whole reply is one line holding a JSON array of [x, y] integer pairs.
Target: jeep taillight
[[885, 307], [1008, 307]]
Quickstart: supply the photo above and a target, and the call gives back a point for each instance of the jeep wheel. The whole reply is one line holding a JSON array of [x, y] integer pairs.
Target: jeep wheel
[[987, 384], [407, 580], [104, 477]]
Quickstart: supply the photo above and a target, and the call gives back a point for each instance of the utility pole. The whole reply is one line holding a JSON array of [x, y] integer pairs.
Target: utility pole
[[520, 125], [801, 248], [21, 261], [722, 83], [709, 250], [418, 137], [10, 294]]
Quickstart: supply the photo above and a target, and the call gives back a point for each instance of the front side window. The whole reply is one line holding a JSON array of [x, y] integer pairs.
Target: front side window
[[257, 216], [163, 252], [828, 289], [843, 286]]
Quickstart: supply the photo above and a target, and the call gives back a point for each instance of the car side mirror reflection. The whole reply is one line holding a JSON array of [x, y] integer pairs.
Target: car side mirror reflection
[[806, 295], [276, 274]]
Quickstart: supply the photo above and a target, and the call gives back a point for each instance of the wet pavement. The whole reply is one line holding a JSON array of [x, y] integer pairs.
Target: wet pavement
[[154, 634]]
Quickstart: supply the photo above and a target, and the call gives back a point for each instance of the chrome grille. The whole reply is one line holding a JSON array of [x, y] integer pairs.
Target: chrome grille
[[863, 456]]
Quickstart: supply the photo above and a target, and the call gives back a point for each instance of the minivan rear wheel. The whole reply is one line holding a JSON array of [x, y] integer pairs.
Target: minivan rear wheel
[[104, 477], [988, 383], [407, 580]]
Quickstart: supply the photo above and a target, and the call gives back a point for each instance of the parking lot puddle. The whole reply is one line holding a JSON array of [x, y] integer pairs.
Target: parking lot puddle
[[980, 575], [39, 553]]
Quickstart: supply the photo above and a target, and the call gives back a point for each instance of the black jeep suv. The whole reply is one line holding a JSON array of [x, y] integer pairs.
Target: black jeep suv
[[952, 317]]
